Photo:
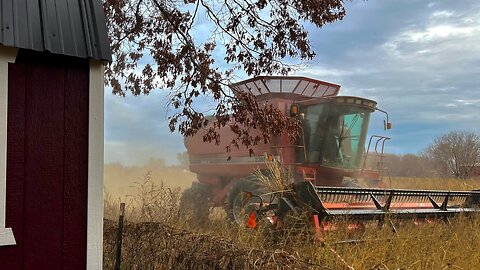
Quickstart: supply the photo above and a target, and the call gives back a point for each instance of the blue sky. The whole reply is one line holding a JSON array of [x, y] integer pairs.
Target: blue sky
[[420, 60]]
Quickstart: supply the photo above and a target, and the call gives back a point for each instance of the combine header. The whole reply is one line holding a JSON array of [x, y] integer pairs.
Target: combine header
[[327, 204], [328, 163]]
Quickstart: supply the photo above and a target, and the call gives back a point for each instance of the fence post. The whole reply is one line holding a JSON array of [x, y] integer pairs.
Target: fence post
[[118, 240]]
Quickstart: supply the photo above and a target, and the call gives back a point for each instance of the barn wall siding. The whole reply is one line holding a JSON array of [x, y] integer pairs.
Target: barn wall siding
[[47, 163], [76, 162], [44, 163]]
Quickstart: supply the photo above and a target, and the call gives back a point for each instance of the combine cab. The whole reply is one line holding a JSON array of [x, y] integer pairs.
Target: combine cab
[[327, 160]]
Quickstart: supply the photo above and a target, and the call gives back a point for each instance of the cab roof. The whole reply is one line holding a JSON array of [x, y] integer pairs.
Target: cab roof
[[298, 85]]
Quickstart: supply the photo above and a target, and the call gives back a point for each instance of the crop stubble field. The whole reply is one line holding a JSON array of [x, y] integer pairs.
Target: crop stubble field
[[160, 236]]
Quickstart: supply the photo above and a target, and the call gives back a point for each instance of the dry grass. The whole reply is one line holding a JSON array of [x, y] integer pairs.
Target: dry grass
[[276, 178], [157, 236], [150, 245], [433, 183]]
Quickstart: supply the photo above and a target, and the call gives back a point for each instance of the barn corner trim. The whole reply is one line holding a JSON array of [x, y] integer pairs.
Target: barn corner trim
[[95, 165], [7, 55]]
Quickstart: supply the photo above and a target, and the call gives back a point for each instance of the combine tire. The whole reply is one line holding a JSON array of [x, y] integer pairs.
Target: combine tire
[[194, 202], [236, 204]]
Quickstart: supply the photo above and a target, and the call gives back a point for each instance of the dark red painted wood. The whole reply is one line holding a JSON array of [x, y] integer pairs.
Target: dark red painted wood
[[44, 168], [47, 164], [11, 256], [76, 162]]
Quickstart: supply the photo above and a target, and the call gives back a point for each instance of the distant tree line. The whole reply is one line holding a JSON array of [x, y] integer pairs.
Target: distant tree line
[[455, 154], [409, 165]]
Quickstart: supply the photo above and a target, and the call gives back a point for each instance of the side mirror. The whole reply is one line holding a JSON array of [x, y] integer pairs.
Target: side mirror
[[386, 123]]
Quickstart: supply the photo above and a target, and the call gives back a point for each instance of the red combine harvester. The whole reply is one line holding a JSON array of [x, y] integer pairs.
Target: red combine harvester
[[327, 160]]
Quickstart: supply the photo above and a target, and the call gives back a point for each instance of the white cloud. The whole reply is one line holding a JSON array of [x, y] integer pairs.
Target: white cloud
[[469, 101], [442, 14], [437, 33], [435, 116], [444, 36], [331, 72]]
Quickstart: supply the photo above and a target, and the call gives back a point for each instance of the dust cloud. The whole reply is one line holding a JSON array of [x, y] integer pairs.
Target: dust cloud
[[120, 180]]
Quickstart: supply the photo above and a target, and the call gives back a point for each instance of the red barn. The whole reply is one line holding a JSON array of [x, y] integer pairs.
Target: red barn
[[52, 55]]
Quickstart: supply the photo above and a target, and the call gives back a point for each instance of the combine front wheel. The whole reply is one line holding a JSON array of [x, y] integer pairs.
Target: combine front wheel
[[195, 202], [238, 204]]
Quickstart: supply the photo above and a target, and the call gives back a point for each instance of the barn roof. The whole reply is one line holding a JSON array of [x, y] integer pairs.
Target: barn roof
[[67, 27]]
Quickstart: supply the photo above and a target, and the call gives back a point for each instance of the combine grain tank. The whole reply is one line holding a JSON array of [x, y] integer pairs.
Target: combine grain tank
[[330, 150]]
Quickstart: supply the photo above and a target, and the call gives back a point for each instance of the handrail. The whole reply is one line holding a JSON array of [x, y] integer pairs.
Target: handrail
[[382, 139]]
